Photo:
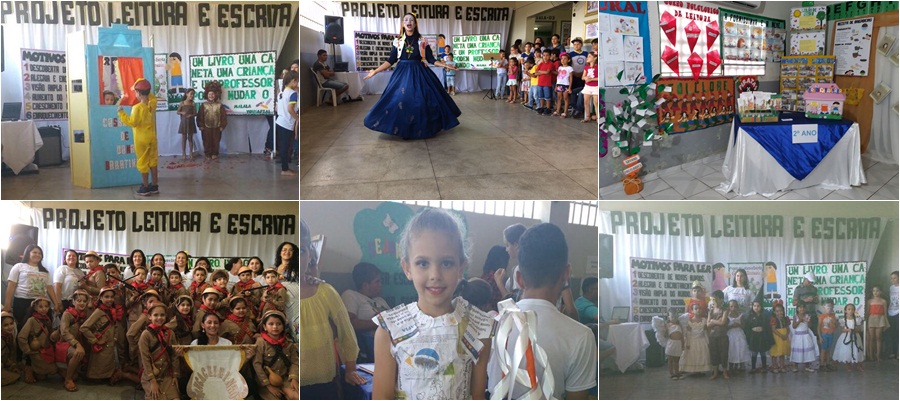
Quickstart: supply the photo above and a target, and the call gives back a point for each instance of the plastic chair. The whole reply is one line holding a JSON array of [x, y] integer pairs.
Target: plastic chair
[[319, 96]]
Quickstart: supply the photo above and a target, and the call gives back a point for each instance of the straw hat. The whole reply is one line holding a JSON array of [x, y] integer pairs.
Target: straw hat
[[91, 253]]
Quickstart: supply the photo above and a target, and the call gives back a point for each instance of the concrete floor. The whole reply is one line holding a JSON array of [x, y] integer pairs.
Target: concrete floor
[[52, 388], [499, 151], [879, 381], [245, 176]]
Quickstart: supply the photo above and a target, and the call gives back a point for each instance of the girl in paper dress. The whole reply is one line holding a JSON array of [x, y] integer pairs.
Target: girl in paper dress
[[422, 349], [695, 357], [414, 104], [804, 348], [849, 347]]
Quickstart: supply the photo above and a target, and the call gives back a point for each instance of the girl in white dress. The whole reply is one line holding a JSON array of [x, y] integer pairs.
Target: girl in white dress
[[695, 357], [674, 347], [738, 349], [422, 349], [849, 347], [804, 348]]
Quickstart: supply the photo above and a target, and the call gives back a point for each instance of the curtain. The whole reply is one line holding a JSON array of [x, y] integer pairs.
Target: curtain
[[783, 247], [884, 145]]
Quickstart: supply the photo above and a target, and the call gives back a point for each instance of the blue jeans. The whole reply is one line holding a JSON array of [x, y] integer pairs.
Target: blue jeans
[[532, 97], [285, 146], [501, 83]]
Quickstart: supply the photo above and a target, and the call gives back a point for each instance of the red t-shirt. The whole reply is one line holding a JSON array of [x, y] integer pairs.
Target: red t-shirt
[[592, 73], [545, 80]]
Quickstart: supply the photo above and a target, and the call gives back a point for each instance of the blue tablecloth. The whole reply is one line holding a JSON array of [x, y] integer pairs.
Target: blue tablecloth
[[797, 159]]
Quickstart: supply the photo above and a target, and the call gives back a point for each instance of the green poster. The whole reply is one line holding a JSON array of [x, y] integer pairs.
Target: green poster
[[850, 9]]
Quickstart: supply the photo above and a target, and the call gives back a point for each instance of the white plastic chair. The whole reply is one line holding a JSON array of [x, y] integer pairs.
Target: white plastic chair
[[319, 96]]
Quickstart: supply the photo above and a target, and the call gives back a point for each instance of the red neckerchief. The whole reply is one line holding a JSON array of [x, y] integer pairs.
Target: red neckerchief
[[113, 313], [206, 308], [79, 317], [177, 287], [222, 290], [243, 286], [273, 288], [242, 324], [94, 270], [44, 321], [280, 342], [140, 286], [195, 287], [188, 319], [162, 335]]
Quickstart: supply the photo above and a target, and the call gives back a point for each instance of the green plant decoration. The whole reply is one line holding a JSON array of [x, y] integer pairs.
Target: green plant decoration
[[633, 123]]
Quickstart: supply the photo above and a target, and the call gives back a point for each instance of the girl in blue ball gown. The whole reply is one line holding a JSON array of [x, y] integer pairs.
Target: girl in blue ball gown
[[414, 104]]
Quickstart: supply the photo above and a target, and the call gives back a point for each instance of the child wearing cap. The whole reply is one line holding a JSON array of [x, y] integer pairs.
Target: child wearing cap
[[182, 322], [143, 120], [157, 281], [133, 294], [199, 284], [176, 288], [34, 341], [149, 299], [220, 283], [9, 353], [94, 279], [71, 336], [100, 330], [697, 297], [276, 363], [275, 295], [237, 326], [244, 287], [160, 362], [209, 301]]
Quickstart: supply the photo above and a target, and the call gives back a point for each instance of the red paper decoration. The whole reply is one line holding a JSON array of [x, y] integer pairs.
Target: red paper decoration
[[693, 34], [696, 63], [670, 58], [713, 61], [668, 24], [712, 33]]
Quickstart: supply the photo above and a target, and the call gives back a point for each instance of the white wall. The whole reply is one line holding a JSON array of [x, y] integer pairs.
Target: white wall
[[335, 220]]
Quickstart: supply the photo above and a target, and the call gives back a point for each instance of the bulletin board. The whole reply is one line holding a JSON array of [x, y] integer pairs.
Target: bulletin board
[[696, 104], [863, 112], [372, 49], [690, 40], [749, 41], [798, 73], [468, 50], [624, 36]]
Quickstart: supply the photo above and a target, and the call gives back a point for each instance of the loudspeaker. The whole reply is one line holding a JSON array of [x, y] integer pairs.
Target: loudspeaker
[[334, 30], [20, 236], [51, 153]]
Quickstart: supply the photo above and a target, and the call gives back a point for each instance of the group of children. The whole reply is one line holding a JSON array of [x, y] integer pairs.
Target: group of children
[[134, 328], [724, 338], [442, 346], [543, 78]]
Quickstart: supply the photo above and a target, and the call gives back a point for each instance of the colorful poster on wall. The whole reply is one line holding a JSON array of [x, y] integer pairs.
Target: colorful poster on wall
[[162, 81], [696, 104], [248, 80], [689, 39], [844, 282], [371, 49], [44, 85], [808, 43], [659, 285], [175, 84], [850, 9], [808, 18], [748, 41], [468, 50], [852, 45], [798, 73], [754, 272], [624, 35]]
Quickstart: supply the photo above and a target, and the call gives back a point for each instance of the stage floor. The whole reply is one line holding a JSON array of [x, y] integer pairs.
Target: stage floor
[[878, 381], [231, 177], [499, 151]]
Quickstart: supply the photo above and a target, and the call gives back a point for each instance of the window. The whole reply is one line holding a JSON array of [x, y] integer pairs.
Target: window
[[584, 213], [312, 14], [524, 209]]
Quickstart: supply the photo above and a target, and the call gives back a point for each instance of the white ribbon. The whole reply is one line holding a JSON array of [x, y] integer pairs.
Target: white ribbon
[[526, 323]]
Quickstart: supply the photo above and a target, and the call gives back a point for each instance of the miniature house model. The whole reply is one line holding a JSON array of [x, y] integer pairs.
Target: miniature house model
[[825, 101]]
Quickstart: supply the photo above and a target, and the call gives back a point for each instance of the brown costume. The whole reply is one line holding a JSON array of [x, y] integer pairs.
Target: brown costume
[[159, 362], [11, 366], [212, 120], [237, 332], [276, 299], [284, 364], [43, 363], [102, 363], [70, 332]]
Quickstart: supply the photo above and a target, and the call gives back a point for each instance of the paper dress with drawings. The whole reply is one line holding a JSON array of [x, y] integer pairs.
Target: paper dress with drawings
[[433, 360]]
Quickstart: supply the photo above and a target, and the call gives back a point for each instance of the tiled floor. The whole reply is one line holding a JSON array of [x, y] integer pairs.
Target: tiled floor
[[877, 382], [499, 151], [230, 177], [697, 181]]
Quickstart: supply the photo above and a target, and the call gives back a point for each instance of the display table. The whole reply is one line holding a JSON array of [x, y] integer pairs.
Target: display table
[[630, 341], [466, 81], [21, 140], [761, 158], [352, 392]]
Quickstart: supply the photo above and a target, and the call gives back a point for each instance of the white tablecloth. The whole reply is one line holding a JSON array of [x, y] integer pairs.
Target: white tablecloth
[[630, 341], [466, 81], [20, 140], [749, 169]]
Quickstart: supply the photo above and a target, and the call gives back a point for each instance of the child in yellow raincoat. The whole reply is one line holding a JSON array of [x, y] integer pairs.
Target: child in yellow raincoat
[[143, 120]]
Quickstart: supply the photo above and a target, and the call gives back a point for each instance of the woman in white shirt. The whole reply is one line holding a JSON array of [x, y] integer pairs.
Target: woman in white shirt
[[739, 290], [209, 331], [27, 281], [67, 277]]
